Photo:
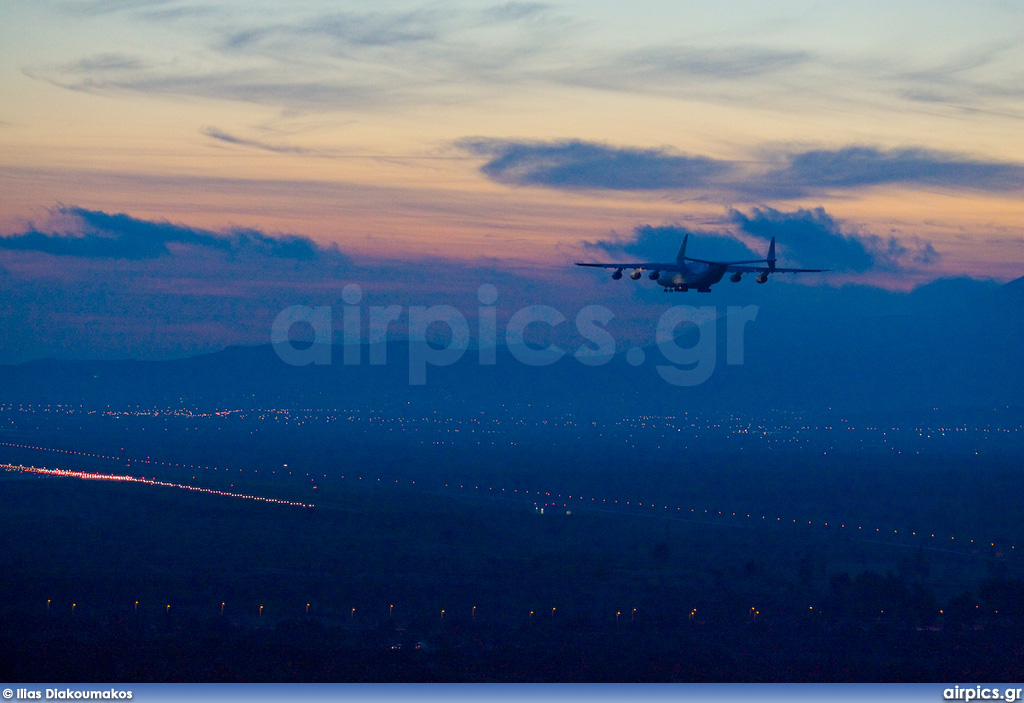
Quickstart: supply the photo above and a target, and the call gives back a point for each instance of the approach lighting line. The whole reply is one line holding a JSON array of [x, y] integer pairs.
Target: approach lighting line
[[151, 482]]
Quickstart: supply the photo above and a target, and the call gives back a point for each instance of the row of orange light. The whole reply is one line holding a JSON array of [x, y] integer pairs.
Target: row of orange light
[[754, 613], [736, 423], [151, 482], [694, 511], [72, 452], [352, 612], [147, 460], [62, 451]]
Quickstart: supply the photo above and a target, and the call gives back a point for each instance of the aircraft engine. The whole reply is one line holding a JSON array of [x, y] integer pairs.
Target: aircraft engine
[[617, 274], [636, 274], [735, 278], [655, 275], [763, 278]]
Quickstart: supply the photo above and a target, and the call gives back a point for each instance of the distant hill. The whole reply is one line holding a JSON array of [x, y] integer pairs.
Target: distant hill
[[960, 351]]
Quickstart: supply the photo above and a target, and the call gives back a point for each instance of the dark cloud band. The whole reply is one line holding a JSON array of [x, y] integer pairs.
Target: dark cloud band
[[857, 166], [582, 165], [579, 165], [97, 234]]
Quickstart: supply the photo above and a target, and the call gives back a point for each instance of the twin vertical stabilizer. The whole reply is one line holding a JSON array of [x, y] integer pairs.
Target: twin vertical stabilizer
[[681, 256]]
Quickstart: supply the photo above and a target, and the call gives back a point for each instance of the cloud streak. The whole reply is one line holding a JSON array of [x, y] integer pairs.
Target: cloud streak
[[659, 69], [223, 136], [95, 234], [349, 60], [353, 59], [859, 166], [578, 165], [271, 85]]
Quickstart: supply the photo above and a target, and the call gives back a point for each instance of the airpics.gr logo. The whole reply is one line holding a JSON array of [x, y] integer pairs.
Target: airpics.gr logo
[[981, 693], [688, 365]]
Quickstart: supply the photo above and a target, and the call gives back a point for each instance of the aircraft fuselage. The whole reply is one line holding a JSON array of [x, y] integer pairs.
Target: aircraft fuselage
[[695, 275]]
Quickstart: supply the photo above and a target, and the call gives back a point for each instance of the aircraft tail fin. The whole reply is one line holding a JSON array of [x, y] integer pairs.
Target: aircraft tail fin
[[771, 254], [681, 256]]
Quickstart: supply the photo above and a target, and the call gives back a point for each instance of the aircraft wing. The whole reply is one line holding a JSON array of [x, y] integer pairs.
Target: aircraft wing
[[733, 268], [647, 266], [724, 263]]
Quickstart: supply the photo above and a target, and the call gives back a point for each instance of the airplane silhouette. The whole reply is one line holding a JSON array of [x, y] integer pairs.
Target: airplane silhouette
[[687, 272]]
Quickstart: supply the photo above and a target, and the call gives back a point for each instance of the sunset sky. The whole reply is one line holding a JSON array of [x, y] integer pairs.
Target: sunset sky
[[173, 173]]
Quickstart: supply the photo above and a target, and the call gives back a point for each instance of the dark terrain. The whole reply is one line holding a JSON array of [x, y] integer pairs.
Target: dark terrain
[[715, 535]]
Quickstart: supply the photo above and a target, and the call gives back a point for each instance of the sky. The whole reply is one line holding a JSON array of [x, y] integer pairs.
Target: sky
[[173, 174]]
